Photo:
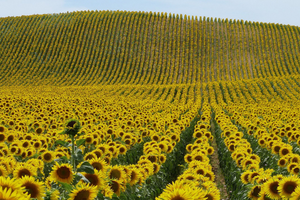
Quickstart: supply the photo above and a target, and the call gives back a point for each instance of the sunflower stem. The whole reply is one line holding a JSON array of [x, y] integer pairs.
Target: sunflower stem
[[73, 153]]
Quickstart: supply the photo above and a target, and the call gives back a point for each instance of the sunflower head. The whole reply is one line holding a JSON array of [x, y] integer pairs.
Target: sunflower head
[[83, 191], [24, 170], [254, 192], [97, 179], [34, 188], [270, 187], [288, 185], [62, 173], [72, 127]]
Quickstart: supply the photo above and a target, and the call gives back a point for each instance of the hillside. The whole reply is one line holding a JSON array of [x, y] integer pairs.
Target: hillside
[[119, 47], [134, 105]]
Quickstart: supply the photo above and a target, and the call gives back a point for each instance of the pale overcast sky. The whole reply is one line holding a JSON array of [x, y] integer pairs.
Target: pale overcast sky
[[273, 11]]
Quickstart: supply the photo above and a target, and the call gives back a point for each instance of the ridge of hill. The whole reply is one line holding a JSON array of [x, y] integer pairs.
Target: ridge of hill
[[129, 48]]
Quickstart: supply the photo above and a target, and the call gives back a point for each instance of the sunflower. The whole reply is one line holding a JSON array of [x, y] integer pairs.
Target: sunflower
[[210, 150], [117, 172], [254, 192], [39, 164], [10, 137], [288, 185], [199, 157], [98, 153], [295, 170], [213, 194], [122, 150], [3, 171], [189, 176], [24, 169], [182, 190], [134, 176], [89, 139], [72, 127], [90, 156], [107, 191], [37, 144], [282, 162], [62, 173], [14, 149], [296, 194], [290, 166], [11, 184], [284, 151], [34, 188], [152, 158], [99, 164], [54, 195], [264, 196], [200, 170], [83, 191], [48, 156], [96, 179], [156, 168], [2, 136], [271, 188], [8, 194], [116, 187], [276, 148]]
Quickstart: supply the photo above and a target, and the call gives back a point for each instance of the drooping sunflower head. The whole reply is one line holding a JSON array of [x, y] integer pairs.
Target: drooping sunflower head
[[72, 127]]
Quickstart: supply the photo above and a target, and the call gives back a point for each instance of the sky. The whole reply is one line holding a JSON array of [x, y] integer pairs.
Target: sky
[[269, 11]]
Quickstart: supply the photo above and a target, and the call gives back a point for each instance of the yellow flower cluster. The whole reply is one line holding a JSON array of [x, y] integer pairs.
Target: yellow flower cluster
[[198, 176]]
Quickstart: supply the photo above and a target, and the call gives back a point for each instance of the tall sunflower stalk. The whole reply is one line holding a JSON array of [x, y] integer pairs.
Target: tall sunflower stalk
[[72, 129]]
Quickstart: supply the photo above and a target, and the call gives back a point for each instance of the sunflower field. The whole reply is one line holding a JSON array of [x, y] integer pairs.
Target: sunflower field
[[99, 105]]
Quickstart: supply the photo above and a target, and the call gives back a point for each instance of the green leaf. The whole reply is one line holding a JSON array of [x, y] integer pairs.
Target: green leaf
[[63, 159], [82, 177], [86, 167], [66, 186], [80, 142], [62, 143], [78, 155]]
